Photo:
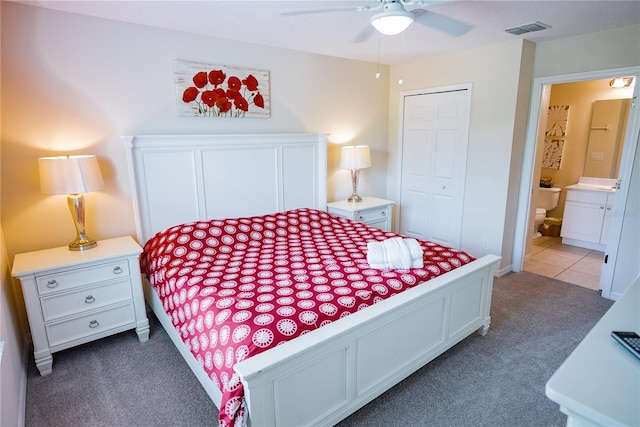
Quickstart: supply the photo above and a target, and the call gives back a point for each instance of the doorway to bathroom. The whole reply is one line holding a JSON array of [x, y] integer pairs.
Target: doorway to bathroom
[[585, 119], [568, 263]]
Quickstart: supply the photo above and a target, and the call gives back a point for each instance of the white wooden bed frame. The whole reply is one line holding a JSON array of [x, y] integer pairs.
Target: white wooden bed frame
[[322, 377]]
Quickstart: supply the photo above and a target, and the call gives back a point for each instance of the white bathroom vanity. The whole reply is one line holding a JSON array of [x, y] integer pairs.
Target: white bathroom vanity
[[587, 213]]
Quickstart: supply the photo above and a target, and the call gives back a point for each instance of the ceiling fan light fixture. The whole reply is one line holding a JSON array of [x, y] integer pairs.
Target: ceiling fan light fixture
[[391, 23]]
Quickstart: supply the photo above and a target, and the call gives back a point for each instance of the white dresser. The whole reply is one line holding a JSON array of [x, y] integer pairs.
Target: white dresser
[[371, 211], [599, 383], [73, 297]]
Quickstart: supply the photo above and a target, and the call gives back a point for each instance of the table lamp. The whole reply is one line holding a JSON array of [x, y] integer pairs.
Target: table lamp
[[355, 157], [73, 176]]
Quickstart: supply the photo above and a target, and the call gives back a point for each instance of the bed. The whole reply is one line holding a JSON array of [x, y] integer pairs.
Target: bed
[[327, 373]]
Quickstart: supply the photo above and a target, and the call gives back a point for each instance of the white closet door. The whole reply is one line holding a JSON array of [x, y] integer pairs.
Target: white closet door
[[434, 157]]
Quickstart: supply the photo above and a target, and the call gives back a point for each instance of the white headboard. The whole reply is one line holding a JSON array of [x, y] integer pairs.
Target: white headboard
[[184, 178]]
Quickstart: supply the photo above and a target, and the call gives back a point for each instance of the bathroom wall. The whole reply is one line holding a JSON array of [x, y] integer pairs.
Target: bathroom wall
[[579, 96]]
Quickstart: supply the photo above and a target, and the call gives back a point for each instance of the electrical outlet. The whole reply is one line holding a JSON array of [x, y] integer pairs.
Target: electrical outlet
[[485, 244]]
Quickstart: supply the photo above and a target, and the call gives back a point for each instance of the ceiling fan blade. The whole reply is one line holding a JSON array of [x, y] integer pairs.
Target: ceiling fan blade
[[364, 34], [442, 23], [323, 10]]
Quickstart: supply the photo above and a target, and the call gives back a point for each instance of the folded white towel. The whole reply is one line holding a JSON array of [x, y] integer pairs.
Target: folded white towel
[[394, 253], [416, 253]]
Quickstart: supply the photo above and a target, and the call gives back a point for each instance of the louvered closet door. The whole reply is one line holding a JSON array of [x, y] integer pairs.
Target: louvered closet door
[[434, 154]]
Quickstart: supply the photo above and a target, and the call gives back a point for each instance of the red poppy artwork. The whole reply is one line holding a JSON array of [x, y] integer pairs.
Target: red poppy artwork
[[208, 90]]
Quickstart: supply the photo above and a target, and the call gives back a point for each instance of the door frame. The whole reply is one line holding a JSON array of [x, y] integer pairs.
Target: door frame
[[529, 154], [424, 91]]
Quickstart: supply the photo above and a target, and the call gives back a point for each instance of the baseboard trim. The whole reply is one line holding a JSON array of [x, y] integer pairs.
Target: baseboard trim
[[22, 400], [504, 271]]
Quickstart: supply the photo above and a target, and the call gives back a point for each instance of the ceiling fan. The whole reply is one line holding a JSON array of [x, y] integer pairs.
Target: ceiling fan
[[393, 18]]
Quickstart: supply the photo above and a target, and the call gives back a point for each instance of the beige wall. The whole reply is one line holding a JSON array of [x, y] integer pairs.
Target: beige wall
[[13, 372], [590, 52], [13, 344], [579, 96], [74, 84], [499, 108]]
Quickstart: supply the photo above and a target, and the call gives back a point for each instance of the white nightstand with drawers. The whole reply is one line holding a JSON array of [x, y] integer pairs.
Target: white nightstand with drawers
[[371, 211], [73, 297]]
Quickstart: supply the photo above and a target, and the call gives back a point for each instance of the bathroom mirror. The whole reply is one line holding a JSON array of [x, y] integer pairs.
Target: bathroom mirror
[[606, 138]]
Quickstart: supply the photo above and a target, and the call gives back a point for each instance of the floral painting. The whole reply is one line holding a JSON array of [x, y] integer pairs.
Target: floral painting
[[557, 120], [208, 90], [552, 157]]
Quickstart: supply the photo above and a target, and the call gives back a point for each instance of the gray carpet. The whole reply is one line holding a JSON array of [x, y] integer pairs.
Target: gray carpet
[[495, 380]]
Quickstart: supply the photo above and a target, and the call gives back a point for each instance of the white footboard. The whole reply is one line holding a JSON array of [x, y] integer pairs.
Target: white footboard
[[322, 377], [154, 302]]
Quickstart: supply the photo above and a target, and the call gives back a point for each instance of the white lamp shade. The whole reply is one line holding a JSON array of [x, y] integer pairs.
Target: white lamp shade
[[69, 174], [392, 23], [355, 157]]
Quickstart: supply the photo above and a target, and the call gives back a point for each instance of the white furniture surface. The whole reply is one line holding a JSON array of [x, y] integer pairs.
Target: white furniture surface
[[587, 214], [321, 377], [599, 383], [182, 178], [73, 297], [371, 211]]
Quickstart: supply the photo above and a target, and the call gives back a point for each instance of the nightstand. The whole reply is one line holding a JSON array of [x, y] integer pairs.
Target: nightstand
[[371, 211], [73, 297]]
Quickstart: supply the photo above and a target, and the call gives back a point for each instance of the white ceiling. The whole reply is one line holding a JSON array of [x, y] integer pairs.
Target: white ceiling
[[333, 33]]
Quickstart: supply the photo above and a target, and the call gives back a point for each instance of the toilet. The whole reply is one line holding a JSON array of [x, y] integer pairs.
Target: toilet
[[547, 200]]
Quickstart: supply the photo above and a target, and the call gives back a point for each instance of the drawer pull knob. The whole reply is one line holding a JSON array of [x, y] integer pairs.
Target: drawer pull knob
[[609, 208], [361, 217], [94, 324], [117, 270], [601, 207], [384, 213], [89, 299], [52, 283]]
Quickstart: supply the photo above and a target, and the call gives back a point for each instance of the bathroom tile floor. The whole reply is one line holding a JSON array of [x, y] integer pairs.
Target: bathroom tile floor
[[571, 264]]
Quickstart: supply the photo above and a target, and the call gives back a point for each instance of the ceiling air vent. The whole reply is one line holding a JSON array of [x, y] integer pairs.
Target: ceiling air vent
[[527, 28]]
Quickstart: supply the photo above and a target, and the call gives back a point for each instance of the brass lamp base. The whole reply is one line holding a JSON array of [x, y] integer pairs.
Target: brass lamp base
[[82, 241], [354, 198]]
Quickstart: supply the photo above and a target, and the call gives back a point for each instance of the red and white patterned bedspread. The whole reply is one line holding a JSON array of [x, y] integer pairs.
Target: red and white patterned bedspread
[[236, 287]]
